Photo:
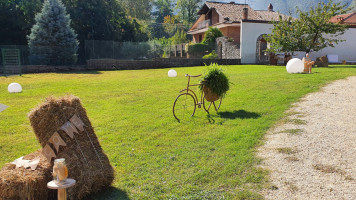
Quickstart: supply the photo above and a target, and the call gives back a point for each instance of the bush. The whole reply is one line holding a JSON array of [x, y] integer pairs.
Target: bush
[[211, 35], [212, 55], [164, 55], [134, 50], [159, 46], [216, 80], [200, 47], [179, 38]]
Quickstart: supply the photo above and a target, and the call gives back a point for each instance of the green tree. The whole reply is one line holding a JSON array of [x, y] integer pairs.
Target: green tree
[[285, 35], [99, 20], [211, 34], [139, 31], [180, 37], [163, 8], [353, 5], [187, 10], [17, 18], [171, 24], [312, 31], [140, 9], [52, 40]]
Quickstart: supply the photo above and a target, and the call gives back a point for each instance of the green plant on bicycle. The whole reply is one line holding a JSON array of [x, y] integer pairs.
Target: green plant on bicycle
[[186, 102]]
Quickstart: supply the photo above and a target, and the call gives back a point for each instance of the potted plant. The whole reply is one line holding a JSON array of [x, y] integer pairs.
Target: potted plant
[[215, 83]]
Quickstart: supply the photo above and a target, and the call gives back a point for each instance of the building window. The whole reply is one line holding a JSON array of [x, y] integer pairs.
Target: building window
[[200, 38]]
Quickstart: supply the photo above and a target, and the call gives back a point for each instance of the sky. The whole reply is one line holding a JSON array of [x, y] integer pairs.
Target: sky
[[250, 2]]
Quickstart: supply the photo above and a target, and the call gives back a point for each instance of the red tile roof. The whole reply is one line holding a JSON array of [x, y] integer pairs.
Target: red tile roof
[[349, 19], [233, 11]]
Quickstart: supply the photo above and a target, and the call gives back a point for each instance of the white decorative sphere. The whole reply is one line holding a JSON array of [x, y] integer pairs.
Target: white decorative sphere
[[14, 88], [295, 65], [172, 73]]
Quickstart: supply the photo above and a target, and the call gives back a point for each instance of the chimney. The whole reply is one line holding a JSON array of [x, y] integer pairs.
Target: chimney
[[270, 7], [340, 20], [245, 13]]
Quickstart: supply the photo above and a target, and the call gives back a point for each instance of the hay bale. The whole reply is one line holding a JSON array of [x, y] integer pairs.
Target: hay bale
[[24, 183], [85, 159], [322, 61]]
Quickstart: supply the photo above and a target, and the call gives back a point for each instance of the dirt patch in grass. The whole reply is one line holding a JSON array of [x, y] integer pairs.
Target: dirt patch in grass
[[328, 169], [294, 121], [287, 150], [292, 159], [291, 187], [293, 131]]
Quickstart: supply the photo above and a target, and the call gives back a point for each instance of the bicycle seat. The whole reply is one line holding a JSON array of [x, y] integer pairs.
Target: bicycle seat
[[187, 75]]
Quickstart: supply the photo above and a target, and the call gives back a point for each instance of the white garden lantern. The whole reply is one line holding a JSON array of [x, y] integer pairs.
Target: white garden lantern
[[14, 88], [295, 65], [172, 73]]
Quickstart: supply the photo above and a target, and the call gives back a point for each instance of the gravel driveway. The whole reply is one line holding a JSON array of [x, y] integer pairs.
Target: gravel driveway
[[311, 154]]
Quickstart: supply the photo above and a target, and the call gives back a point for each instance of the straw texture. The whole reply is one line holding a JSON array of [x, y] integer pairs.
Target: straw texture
[[86, 161], [24, 183]]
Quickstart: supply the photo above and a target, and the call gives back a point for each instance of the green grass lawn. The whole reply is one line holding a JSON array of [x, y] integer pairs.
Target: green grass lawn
[[155, 157]]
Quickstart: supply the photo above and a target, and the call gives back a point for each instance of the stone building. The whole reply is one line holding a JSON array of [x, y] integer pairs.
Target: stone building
[[226, 48]]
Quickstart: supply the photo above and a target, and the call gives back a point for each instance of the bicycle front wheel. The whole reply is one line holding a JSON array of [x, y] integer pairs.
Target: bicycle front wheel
[[212, 105], [184, 106]]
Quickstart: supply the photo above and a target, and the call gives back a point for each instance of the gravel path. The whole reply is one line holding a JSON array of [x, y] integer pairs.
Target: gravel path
[[312, 153]]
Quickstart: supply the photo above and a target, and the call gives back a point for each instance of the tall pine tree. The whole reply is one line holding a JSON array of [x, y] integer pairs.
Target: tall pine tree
[[52, 41]]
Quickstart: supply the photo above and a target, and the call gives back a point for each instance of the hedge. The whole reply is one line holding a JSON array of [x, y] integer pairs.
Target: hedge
[[200, 47]]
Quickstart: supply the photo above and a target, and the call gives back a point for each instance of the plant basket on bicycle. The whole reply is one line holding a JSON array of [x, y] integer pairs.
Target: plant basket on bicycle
[[213, 87], [210, 100], [209, 95], [215, 84]]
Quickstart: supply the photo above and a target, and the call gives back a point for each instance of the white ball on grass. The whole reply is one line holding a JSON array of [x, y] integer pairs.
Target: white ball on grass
[[295, 65], [172, 73], [14, 88]]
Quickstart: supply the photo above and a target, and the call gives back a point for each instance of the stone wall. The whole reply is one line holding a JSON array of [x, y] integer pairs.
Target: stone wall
[[226, 49]]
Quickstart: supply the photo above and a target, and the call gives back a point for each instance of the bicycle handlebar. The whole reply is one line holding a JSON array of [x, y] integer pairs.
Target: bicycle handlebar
[[187, 75]]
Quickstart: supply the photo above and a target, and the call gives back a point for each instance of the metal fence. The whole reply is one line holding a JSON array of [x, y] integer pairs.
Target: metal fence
[[12, 57], [24, 53], [91, 50]]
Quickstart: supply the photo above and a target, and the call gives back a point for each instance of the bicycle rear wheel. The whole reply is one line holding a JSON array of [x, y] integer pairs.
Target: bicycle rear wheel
[[184, 106], [212, 105]]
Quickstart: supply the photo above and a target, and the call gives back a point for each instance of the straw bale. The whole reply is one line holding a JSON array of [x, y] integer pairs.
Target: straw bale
[[88, 165], [24, 183]]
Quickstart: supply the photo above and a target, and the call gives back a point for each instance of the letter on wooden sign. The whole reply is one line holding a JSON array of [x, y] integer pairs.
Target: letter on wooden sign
[[77, 122], [57, 141], [69, 129], [48, 153]]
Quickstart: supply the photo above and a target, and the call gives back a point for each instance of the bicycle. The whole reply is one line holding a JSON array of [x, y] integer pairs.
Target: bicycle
[[187, 101]]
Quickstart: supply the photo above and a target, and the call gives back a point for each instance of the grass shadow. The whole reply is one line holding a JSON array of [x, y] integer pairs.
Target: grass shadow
[[242, 114], [342, 66], [210, 119], [110, 193]]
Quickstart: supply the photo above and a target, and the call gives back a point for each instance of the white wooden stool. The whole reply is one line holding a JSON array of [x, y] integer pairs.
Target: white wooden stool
[[62, 192]]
